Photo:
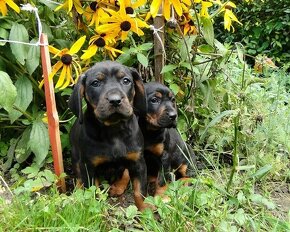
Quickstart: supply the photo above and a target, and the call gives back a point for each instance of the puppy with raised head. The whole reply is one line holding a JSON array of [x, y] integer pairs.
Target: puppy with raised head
[[165, 151], [107, 138]]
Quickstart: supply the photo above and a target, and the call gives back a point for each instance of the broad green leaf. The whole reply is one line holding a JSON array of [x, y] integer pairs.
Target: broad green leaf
[[33, 58], [185, 47], [168, 68], [131, 211], [205, 48], [145, 46], [39, 141], [215, 121], [175, 88], [19, 33], [22, 149], [208, 31], [23, 99], [7, 92], [142, 59]]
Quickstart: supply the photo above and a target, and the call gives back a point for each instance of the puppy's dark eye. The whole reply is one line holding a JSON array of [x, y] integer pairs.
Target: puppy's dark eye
[[126, 81], [173, 100], [155, 100], [96, 83]]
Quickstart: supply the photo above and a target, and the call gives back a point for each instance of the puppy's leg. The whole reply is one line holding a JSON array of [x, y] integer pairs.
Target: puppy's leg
[[138, 174], [163, 175], [119, 186]]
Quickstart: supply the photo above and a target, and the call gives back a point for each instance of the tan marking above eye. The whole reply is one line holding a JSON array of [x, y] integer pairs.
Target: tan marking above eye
[[97, 160], [133, 155], [156, 149], [170, 94], [120, 74], [158, 94], [100, 76]]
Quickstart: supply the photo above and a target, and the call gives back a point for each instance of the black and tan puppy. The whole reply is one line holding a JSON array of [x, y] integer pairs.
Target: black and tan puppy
[[165, 151], [107, 138]]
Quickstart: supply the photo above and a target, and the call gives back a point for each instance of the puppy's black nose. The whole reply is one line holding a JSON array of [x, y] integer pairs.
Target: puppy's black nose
[[172, 115], [115, 99]]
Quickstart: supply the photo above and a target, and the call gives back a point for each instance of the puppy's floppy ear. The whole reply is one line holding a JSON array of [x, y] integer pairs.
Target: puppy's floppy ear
[[140, 102], [75, 100]]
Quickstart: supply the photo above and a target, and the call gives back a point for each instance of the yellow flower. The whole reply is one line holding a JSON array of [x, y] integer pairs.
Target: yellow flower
[[178, 6], [229, 16], [67, 62], [121, 23], [186, 22], [130, 7], [204, 8], [95, 12], [68, 5], [101, 41], [11, 3]]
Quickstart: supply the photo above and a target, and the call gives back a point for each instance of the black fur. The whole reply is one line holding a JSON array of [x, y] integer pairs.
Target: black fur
[[107, 136], [165, 151]]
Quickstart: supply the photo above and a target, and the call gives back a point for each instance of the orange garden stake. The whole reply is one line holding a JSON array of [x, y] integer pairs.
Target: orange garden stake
[[52, 115]]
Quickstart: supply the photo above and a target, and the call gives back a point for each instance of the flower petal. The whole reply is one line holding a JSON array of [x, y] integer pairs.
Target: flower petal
[[68, 78], [77, 45], [177, 7], [154, 7], [91, 51], [55, 69], [13, 5], [61, 77]]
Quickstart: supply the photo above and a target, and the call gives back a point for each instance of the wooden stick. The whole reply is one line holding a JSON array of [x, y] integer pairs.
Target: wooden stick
[[52, 115], [159, 60]]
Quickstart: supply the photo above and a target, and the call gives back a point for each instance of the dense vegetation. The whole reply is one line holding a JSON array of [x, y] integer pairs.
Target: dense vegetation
[[234, 115]]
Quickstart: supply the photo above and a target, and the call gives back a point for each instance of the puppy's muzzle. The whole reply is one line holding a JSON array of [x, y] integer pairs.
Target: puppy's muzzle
[[115, 99]]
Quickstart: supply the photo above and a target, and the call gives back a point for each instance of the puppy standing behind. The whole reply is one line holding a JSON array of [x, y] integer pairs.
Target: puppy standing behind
[[165, 150], [107, 137]]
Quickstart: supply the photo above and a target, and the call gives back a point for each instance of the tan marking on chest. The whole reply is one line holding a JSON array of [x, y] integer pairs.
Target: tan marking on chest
[[97, 160], [156, 149], [134, 156]]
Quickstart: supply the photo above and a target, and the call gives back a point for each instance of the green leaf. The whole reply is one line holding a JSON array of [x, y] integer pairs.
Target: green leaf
[[131, 211], [23, 145], [216, 120], [10, 155], [39, 141], [175, 88], [240, 51], [185, 47], [205, 48], [208, 31], [7, 92], [262, 171], [33, 58], [23, 99], [142, 59], [145, 46], [19, 33], [168, 68]]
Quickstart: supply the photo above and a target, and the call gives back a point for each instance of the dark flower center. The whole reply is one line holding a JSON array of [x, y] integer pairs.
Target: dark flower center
[[94, 6], [228, 7], [125, 26], [191, 23], [66, 59], [100, 42], [129, 10]]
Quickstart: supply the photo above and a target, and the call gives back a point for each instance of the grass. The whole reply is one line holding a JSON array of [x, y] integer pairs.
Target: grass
[[250, 124]]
